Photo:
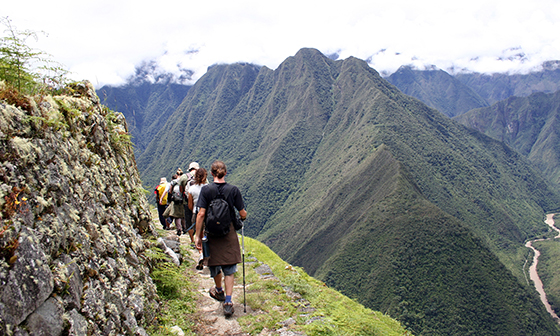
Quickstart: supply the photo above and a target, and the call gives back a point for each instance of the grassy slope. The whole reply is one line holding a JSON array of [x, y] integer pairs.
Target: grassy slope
[[339, 314]]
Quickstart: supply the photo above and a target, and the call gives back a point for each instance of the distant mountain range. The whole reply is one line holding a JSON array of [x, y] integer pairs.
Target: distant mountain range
[[524, 112], [453, 95], [382, 197]]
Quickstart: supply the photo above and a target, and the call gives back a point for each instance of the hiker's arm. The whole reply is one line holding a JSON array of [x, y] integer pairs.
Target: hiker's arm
[[199, 224], [242, 214], [164, 193], [162, 196]]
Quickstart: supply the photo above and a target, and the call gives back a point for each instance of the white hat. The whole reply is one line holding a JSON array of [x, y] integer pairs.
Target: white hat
[[163, 180], [193, 165]]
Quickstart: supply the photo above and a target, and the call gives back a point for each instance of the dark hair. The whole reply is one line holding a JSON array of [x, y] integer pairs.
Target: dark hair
[[174, 176], [219, 169], [200, 176]]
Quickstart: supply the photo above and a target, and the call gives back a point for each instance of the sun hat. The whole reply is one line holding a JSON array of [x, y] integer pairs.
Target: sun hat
[[193, 165], [163, 180]]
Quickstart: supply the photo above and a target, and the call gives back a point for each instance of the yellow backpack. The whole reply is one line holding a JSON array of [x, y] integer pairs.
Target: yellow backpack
[[160, 189]]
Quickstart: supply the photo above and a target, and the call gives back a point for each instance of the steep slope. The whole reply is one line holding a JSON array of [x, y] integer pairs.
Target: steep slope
[[146, 107], [500, 86], [531, 125], [328, 154], [437, 89]]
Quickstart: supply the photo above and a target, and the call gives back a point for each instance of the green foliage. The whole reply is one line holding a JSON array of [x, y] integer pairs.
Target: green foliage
[[120, 138], [27, 69], [178, 296]]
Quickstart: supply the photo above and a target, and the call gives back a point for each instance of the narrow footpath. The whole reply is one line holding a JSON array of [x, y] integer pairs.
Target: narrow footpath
[[210, 313], [533, 268]]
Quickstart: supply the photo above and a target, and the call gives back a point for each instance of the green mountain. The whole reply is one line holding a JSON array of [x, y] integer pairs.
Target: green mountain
[[383, 198], [500, 86], [146, 107], [531, 125], [437, 89]]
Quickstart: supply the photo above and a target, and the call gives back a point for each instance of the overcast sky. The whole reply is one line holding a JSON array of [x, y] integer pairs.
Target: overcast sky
[[104, 40]]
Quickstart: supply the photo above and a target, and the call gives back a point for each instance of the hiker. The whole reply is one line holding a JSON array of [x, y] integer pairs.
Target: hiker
[[194, 191], [161, 201], [185, 182], [175, 208], [225, 252]]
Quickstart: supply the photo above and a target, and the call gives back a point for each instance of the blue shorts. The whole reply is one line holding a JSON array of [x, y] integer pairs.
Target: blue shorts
[[227, 269]]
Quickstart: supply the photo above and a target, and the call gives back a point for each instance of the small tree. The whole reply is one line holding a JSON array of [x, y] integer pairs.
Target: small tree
[[27, 69]]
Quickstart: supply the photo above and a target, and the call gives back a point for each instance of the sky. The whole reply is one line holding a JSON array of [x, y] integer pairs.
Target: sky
[[105, 41]]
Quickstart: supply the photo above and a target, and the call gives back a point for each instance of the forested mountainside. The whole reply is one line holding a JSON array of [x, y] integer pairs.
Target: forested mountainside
[[453, 95], [370, 190], [437, 89], [146, 107], [500, 86], [531, 125]]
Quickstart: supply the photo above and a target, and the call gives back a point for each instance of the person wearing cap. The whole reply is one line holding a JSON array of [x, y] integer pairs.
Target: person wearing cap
[[185, 182], [161, 201]]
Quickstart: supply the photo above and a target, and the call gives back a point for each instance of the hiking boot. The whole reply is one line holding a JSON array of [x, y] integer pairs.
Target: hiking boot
[[228, 309], [220, 296]]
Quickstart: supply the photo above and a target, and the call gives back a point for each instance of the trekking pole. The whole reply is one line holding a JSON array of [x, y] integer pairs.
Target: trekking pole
[[243, 249]]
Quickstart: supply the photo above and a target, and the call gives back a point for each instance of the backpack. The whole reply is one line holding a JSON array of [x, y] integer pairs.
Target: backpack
[[159, 190], [219, 214], [176, 195]]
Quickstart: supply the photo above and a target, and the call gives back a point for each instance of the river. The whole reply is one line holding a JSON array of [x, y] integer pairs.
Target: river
[[533, 268]]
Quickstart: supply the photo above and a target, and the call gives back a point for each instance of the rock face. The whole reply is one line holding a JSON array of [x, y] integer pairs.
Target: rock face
[[73, 213]]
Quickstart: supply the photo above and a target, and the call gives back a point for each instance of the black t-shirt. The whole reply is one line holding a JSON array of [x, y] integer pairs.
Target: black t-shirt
[[234, 197]]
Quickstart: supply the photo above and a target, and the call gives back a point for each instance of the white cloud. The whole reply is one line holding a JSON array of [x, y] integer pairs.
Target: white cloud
[[103, 41]]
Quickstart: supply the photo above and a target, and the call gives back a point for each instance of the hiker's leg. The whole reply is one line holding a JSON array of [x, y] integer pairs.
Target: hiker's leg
[[191, 234], [161, 210], [218, 280], [179, 225], [229, 281], [229, 272]]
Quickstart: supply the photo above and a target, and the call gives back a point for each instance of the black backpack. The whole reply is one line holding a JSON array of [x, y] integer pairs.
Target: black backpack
[[219, 214]]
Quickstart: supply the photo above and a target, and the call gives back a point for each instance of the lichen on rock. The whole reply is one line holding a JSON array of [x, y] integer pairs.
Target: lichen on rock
[[73, 216]]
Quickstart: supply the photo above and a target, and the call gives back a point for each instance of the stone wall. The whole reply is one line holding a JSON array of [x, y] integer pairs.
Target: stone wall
[[73, 213]]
